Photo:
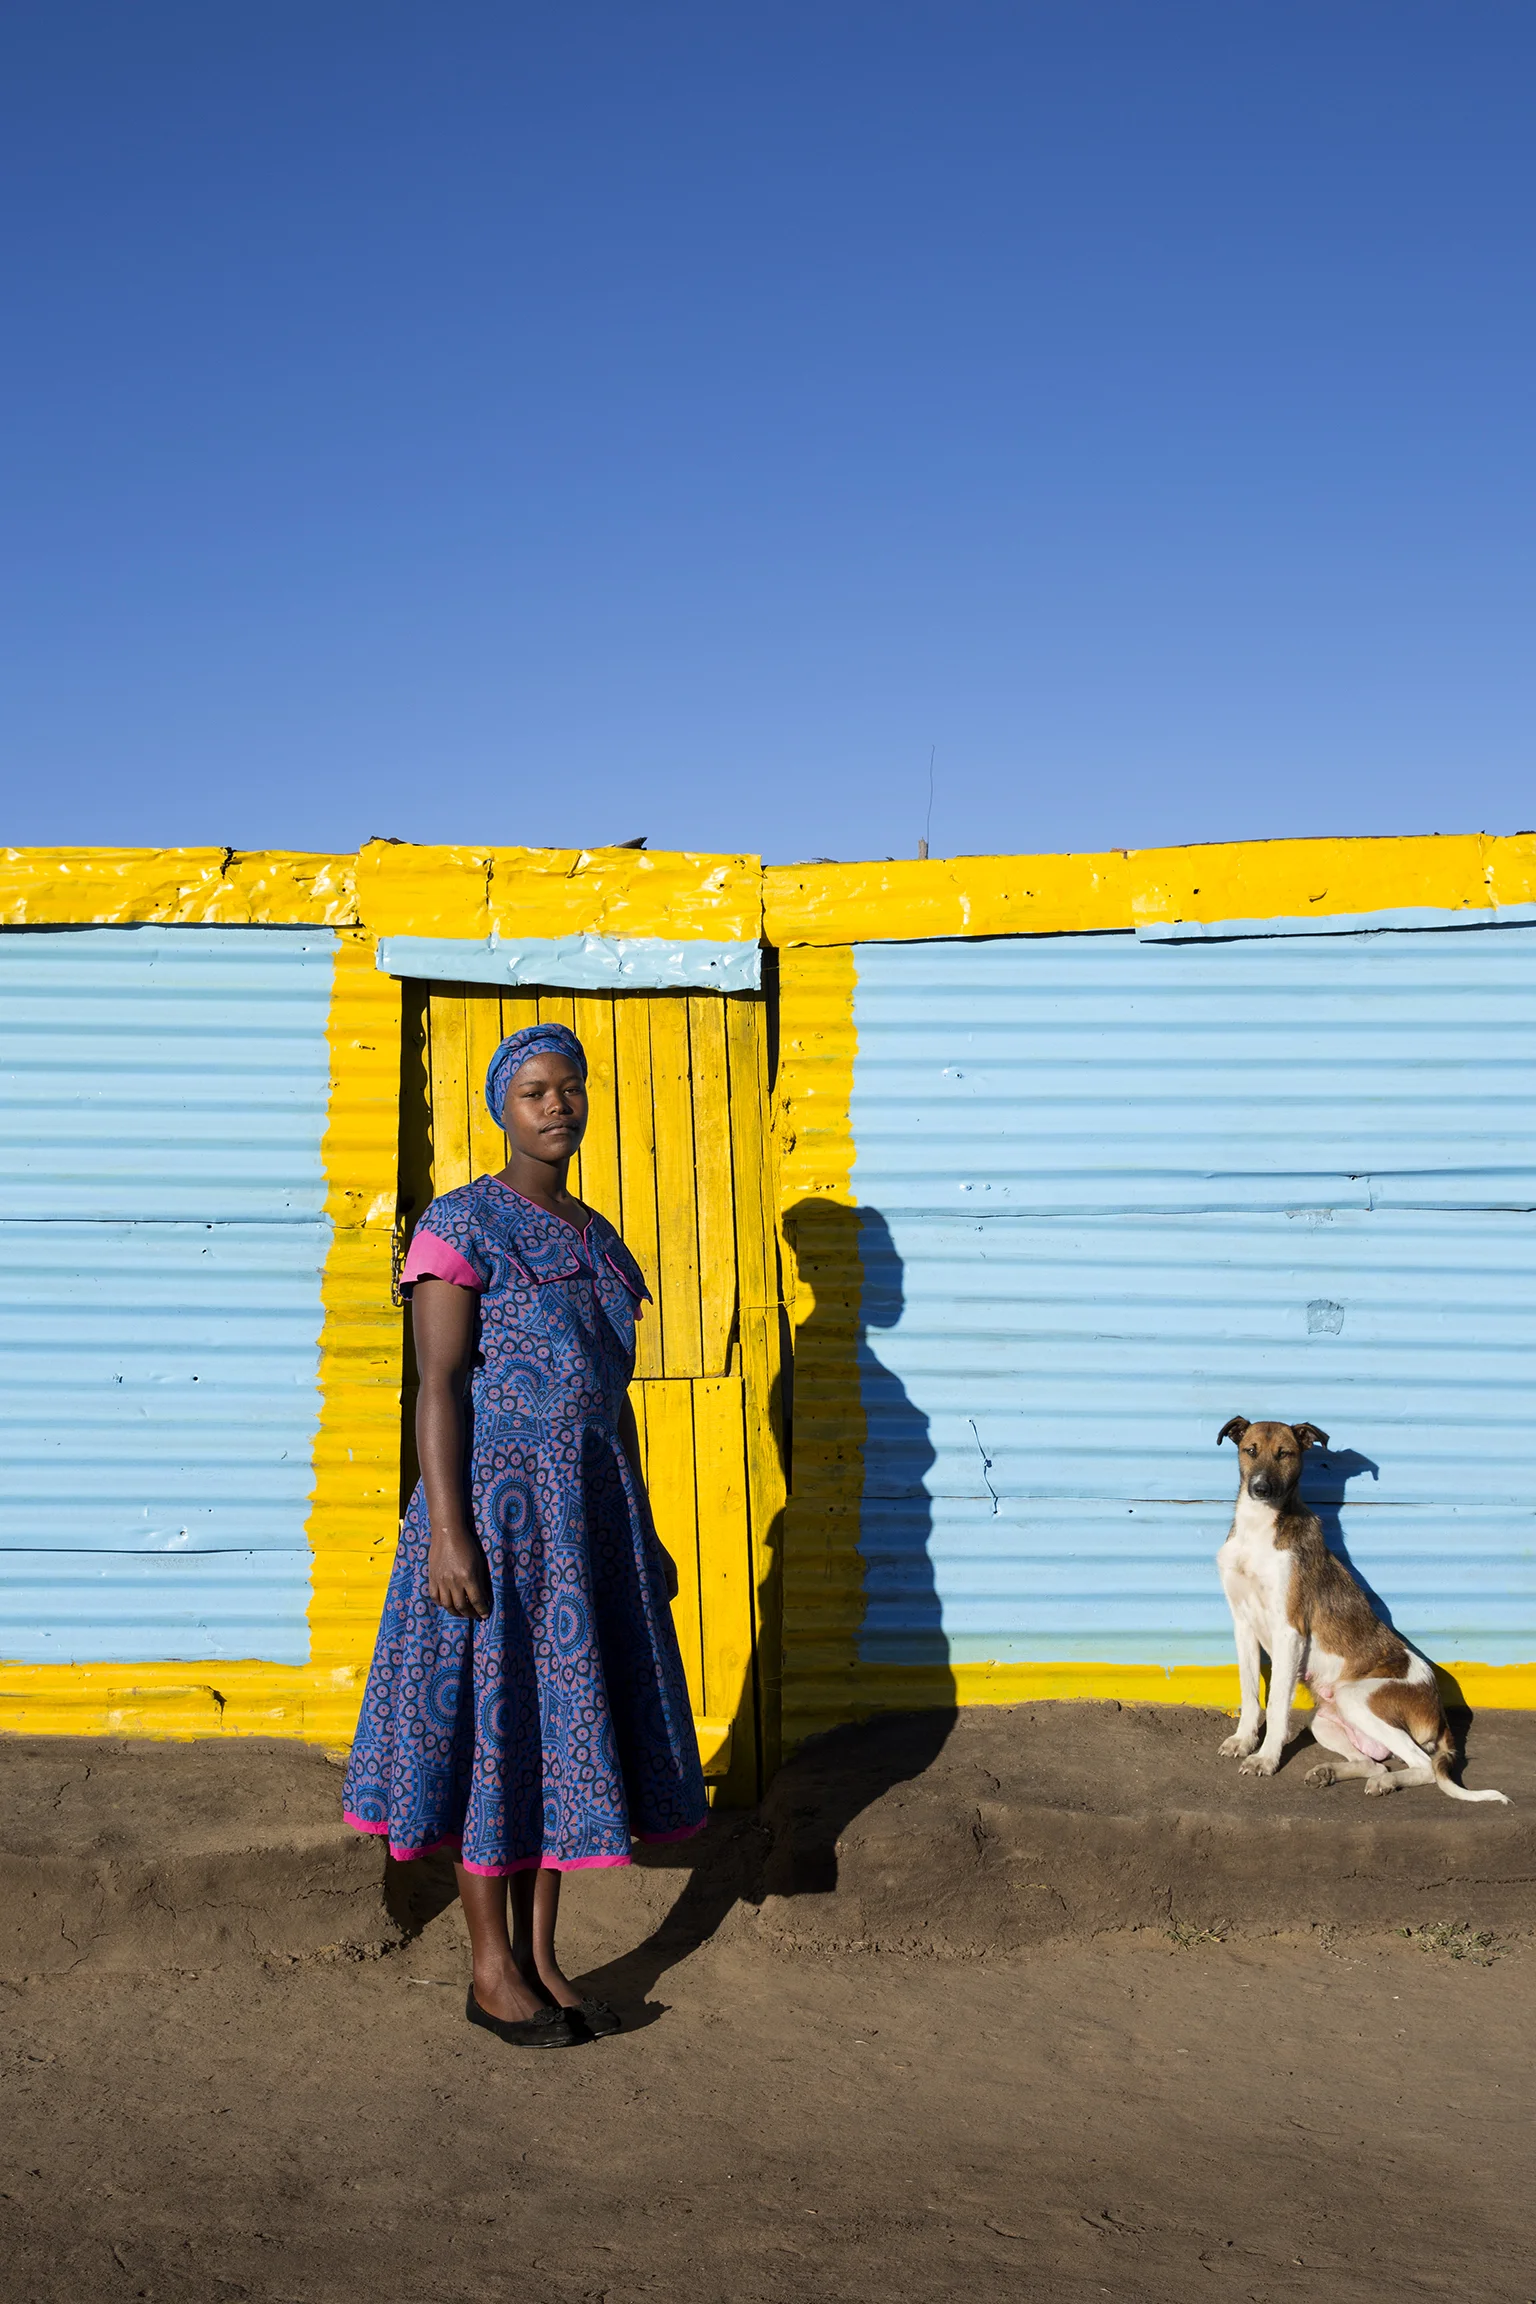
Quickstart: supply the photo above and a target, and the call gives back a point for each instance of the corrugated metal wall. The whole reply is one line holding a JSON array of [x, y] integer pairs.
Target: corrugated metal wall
[[162, 1240], [1113, 1192]]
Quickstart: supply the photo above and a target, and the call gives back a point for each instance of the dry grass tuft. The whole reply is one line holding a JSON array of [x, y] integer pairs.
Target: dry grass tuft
[[1457, 1941], [1186, 1937]]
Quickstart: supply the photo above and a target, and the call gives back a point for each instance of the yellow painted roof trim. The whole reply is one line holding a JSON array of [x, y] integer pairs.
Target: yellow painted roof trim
[[174, 888], [402, 890], [550, 892], [393, 889], [1124, 888]]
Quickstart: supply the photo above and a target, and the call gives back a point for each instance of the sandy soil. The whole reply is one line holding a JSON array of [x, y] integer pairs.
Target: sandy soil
[[1131, 2119], [1146, 2114]]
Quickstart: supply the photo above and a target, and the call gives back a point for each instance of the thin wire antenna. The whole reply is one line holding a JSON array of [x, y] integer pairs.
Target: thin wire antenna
[[922, 846]]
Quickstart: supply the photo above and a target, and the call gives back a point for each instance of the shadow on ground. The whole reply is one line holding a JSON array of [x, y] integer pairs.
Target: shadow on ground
[[1000, 1828]]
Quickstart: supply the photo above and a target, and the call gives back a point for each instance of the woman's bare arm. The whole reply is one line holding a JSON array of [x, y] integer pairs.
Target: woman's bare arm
[[629, 1441], [443, 1323]]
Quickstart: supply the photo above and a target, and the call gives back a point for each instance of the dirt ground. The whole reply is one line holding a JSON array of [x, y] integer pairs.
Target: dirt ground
[[1151, 2112]]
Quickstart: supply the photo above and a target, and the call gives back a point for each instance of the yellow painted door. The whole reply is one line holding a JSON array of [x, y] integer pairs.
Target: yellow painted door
[[675, 1156]]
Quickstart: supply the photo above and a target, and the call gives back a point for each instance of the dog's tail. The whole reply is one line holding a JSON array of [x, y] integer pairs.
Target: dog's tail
[[1441, 1760]]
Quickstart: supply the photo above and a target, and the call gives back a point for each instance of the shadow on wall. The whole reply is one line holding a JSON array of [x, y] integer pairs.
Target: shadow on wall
[[1325, 1479], [902, 1620], [862, 1606]]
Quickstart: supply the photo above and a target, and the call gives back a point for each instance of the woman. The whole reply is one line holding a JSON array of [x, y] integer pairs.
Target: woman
[[526, 1706]]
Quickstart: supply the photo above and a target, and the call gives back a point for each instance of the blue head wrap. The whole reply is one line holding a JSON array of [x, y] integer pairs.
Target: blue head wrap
[[514, 1052]]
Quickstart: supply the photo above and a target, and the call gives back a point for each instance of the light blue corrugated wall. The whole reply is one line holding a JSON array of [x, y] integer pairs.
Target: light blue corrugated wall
[[1115, 1192], [163, 1098]]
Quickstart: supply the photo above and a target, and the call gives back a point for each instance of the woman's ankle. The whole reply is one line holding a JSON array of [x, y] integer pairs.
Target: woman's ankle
[[528, 1968], [552, 1980], [503, 1990]]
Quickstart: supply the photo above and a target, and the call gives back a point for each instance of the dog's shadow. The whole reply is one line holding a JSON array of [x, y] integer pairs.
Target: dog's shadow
[[1325, 1480], [1324, 1484]]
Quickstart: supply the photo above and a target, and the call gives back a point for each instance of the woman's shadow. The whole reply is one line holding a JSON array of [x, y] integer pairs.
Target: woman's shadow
[[787, 1845]]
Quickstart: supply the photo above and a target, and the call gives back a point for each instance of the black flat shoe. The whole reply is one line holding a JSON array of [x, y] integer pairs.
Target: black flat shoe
[[598, 2017], [551, 2028]]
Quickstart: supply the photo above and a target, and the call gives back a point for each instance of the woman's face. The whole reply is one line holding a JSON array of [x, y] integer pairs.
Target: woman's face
[[545, 1113]]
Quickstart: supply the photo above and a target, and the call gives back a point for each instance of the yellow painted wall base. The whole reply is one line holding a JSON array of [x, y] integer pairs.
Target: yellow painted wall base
[[873, 1688], [317, 1704]]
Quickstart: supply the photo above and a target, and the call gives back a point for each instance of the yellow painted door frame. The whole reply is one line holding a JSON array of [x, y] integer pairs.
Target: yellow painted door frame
[[676, 1155]]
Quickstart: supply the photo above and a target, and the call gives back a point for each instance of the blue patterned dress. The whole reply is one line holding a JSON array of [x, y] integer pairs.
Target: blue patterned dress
[[559, 1727]]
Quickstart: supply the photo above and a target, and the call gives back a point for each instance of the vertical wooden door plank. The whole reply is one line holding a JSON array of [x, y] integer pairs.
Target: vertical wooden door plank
[[670, 1485], [725, 1573], [450, 1102], [712, 1148], [757, 1260], [599, 1165], [518, 1011], [637, 1394], [637, 1164], [415, 1101], [482, 1033], [558, 1008], [677, 1208]]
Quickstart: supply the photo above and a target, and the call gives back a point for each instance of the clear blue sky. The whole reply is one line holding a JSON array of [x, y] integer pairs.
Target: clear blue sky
[[558, 423]]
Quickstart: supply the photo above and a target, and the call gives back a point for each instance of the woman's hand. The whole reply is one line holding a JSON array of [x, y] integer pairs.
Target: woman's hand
[[456, 1576]]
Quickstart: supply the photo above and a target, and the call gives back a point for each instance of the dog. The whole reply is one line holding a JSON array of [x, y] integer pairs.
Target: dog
[[1376, 1699]]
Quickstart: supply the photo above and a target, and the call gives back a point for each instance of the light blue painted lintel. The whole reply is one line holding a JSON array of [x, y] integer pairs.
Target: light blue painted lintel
[[578, 963], [1334, 924]]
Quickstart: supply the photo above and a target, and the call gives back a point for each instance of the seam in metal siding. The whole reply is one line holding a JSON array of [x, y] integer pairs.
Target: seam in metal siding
[[162, 1241], [1112, 1193]]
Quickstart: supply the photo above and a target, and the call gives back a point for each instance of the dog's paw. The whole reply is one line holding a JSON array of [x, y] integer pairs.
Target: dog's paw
[[1258, 1764], [1321, 1778], [1377, 1787], [1237, 1747]]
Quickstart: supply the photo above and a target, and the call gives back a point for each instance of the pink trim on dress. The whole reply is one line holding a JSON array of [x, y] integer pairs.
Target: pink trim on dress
[[430, 1258], [454, 1841], [545, 1864], [628, 1285], [400, 1855]]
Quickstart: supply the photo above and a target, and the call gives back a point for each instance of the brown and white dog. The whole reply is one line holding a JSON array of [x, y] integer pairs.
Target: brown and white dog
[[1376, 1700]]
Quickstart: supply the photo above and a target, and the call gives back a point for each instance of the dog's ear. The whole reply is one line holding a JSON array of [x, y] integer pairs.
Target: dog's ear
[[1233, 1430], [1309, 1436]]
